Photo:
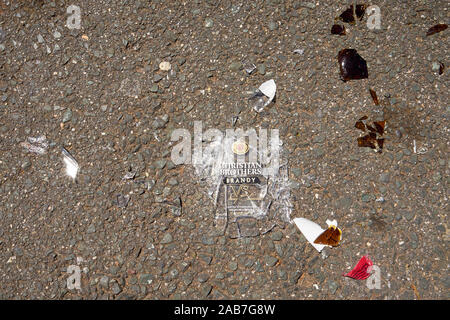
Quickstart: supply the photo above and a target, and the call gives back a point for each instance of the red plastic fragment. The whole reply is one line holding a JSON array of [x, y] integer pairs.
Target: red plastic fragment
[[362, 270]]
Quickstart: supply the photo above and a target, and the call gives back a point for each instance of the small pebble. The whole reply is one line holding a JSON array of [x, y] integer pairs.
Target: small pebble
[[165, 66], [167, 238], [209, 22]]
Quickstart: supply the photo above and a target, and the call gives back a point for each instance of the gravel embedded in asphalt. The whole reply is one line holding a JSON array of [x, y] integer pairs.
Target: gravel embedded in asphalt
[[113, 91]]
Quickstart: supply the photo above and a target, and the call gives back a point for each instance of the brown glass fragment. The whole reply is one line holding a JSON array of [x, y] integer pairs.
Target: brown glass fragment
[[360, 125], [360, 9], [348, 17], [338, 29], [379, 125], [441, 68], [373, 138], [370, 128], [366, 141], [437, 28], [330, 237], [352, 65], [374, 97]]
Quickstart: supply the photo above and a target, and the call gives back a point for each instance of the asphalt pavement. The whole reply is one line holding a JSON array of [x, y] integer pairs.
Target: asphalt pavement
[[110, 81]]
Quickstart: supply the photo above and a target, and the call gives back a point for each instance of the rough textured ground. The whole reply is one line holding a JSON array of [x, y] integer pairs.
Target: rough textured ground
[[123, 110]]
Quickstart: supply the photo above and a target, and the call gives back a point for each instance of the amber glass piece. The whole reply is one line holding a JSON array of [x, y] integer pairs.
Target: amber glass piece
[[366, 141], [437, 28], [379, 125], [360, 125], [330, 237], [374, 97]]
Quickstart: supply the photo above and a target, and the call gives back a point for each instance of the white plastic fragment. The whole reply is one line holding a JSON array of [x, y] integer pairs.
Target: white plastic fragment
[[72, 166], [311, 231], [331, 223], [165, 66], [269, 89]]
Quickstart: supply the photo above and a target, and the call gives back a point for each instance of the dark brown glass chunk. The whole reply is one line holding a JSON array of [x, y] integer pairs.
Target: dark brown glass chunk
[[338, 29], [360, 125], [379, 125], [366, 141], [348, 17], [352, 65], [437, 28], [360, 9]]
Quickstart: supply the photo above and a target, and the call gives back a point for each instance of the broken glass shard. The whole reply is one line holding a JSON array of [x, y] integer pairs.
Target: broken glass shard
[[374, 97], [264, 96], [441, 68], [72, 166], [247, 227], [373, 139], [360, 125], [338, 29], [122, 201], [379, 126], [129, 176], [258, 101], [234, 119], [370, 128], [248, 187], [37, 145], [367, 141], [330, 237], [348, 17], [437, 28], [352, 65], [249, 67], [312, 231]]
